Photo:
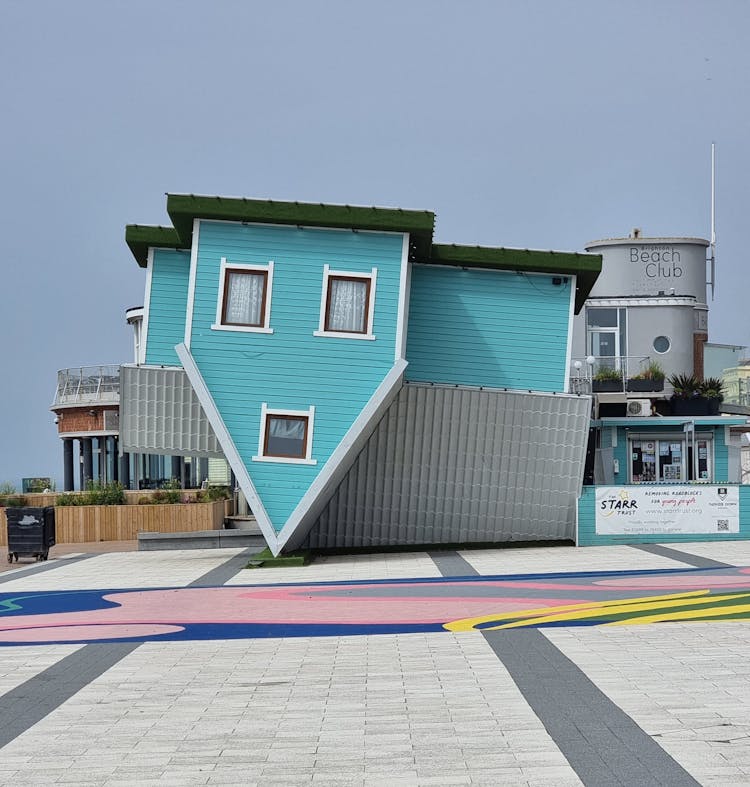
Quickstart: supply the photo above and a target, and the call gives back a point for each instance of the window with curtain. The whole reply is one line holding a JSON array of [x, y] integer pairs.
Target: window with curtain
[[286, 436], [244, 298], [347, 304]]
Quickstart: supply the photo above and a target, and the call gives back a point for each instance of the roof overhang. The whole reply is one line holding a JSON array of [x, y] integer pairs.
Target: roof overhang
[[585, 267], [183, 209], [140, 238]]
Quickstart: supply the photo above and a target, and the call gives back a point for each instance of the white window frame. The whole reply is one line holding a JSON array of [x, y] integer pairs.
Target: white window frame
[[243, 267], [265, 412], [327, 274]]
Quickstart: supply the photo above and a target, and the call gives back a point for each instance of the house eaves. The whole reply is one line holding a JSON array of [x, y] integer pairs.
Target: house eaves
[[140, 238], [585, 267], [184, 208]]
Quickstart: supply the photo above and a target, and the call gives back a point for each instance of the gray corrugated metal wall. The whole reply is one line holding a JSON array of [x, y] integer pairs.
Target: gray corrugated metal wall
[[160, 414], [460, 465]]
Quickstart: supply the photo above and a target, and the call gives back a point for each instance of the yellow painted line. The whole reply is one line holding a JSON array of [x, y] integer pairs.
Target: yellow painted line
[[466, 624], [685, 614], [657, 603]]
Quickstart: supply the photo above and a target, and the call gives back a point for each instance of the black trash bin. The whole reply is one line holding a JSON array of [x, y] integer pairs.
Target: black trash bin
[[31, 531]]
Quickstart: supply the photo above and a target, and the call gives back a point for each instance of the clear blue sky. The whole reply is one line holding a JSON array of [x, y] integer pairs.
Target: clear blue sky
[[537, 124]]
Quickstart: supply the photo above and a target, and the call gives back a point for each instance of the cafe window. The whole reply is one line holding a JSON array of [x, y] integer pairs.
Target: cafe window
[[670, 459]]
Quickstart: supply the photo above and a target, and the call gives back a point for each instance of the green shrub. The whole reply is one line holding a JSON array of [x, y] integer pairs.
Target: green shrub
[[213, 493], [172, 490], [652, 372], [6, 488], [98, 494], [13, 501], [608, 373]]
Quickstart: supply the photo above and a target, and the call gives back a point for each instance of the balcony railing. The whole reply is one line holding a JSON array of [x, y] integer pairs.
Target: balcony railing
[[88, 385], [617, 368]]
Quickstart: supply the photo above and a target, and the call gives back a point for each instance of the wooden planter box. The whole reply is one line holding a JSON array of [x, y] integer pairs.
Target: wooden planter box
[[76, 524], [644, 386]]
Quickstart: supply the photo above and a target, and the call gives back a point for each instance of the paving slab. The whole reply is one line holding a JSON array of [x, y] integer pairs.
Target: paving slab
[[125, 570], [423, 707], [345, 568], [687, 687], [176, 685], [527, 560]]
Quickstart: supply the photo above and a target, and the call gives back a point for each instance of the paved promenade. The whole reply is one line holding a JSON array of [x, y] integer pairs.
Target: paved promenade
[[544, 666]]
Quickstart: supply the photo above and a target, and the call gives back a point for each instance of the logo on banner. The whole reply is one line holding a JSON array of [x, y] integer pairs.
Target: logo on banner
[[620, 503]]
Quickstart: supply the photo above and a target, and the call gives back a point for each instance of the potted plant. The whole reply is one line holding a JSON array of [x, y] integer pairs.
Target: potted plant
[[650, 379], [607, 380], [712, 388], [687, 398]]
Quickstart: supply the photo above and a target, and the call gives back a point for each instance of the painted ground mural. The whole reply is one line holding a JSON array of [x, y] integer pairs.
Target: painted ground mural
[[375, 607]]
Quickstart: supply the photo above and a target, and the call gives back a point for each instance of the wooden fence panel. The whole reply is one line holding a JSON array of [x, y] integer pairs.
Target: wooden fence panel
[[76, 524]]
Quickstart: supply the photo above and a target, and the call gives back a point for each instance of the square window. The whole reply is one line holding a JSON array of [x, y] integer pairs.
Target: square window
[[347, 304], [244, 298], [286, 435]]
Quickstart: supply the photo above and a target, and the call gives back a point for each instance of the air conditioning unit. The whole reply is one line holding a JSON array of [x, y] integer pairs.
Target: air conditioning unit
[[639, 407]]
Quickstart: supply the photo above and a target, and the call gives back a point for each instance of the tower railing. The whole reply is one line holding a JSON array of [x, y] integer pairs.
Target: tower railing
[[88, 385]]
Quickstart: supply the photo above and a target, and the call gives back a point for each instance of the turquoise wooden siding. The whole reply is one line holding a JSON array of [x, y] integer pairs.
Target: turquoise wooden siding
[[167, 306], [489, 328], [292, 369], [721, 455], [620, 453], [587, 535]]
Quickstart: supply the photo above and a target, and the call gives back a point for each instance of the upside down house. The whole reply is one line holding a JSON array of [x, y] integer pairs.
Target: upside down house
[[367, 386]]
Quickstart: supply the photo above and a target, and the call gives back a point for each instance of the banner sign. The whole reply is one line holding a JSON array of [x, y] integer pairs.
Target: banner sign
[[665, 510]]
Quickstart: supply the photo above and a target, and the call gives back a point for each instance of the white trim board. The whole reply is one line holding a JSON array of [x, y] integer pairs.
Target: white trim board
[[191, 283], [146, 306], [569, 347], [404, 294], [231, 453]]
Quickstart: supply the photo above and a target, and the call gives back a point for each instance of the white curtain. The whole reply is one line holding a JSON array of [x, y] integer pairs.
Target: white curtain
[[287, 428], [346, 306], [245, 298]]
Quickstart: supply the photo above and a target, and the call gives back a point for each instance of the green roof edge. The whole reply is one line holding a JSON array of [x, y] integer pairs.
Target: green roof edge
[[140, 238], [585, 267], [184, 208]]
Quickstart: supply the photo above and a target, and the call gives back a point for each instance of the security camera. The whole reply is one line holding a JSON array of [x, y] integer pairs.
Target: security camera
[[57, 420]]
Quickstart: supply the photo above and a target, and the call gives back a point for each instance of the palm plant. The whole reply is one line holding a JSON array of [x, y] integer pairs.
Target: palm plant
[[684, 386], [713, 388]]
